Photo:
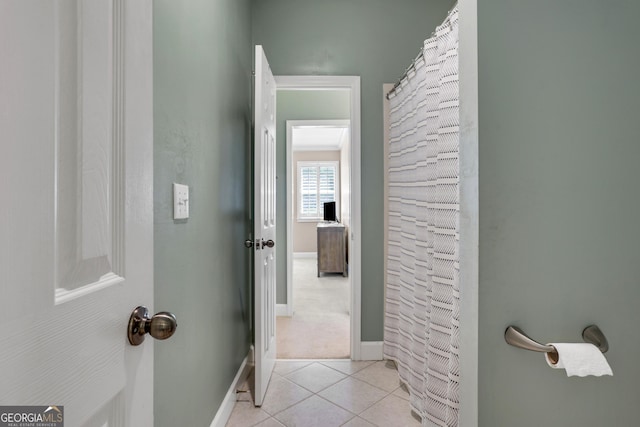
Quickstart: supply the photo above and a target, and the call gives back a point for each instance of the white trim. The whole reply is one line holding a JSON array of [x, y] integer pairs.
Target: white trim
[[345, 137], [283, 310], [343, 124], [371, 350], [306, 255], [351, 83], [290, 212], [469, 211], [386, 109], [251, 360], [318, 83], [226, 407]]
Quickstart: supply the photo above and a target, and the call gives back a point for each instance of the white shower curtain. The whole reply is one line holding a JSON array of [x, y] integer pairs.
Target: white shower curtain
[[422, 289]]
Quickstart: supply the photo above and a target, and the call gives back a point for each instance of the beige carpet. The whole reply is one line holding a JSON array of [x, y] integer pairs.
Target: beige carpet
[[319, 327]]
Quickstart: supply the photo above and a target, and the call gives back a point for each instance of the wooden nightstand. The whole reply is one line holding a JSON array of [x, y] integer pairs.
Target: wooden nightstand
[[332, 251]]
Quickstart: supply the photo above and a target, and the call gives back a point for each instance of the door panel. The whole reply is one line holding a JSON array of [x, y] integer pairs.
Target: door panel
[[265, 224], [76, 242], [88, 146]]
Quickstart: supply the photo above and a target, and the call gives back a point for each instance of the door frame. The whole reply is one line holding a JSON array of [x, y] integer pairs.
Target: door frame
[[352, 84]]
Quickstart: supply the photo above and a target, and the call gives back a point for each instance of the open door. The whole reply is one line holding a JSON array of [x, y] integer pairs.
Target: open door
[[76, 217], [265, 224]]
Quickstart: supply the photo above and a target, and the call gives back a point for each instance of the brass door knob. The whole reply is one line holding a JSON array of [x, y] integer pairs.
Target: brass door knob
[[161, 326]]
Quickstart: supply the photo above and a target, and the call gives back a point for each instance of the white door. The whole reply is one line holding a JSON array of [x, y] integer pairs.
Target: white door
[[76, 242], [265, 224]]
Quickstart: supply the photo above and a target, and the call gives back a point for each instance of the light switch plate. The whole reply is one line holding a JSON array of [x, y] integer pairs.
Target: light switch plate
[[180, 201]]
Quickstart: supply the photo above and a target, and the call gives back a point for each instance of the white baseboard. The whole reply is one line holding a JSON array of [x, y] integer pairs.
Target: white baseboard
[[371, 350], [225, 409], [251, 357], [305, 255], [282, 310]]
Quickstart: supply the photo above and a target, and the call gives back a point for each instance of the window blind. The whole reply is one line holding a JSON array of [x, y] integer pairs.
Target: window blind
[[317, 184]]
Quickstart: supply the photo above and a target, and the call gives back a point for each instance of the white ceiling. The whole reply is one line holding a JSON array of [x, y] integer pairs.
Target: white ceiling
[[319, 138]]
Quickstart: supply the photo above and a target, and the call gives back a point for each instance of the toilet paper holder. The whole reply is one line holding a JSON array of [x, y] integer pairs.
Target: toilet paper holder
[[516, 337]]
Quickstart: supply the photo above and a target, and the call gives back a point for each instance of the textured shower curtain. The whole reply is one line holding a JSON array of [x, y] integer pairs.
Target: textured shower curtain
[[422, 289]]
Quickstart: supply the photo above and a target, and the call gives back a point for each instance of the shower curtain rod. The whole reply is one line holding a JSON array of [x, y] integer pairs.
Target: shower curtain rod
[[421, 54], [411, 67]]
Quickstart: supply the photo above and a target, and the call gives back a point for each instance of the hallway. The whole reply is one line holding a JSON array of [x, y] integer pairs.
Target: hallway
[[320, 325], [326, 394]]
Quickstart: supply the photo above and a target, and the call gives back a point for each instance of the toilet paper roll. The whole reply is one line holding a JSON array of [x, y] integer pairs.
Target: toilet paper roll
[[579, 359]]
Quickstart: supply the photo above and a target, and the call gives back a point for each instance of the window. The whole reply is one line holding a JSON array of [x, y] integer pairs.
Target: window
[[317, 184]]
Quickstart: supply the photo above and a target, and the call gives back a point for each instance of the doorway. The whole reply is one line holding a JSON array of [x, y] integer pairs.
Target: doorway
[[320, 286], [302, 262]]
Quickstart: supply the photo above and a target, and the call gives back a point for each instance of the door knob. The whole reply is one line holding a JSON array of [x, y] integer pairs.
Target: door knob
[[269, 243], [161, 326], [248, 243]]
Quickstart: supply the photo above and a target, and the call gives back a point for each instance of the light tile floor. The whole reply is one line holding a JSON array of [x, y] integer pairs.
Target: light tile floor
[[328, 393]]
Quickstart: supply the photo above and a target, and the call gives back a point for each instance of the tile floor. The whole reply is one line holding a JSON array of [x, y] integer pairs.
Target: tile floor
[[328, 393]]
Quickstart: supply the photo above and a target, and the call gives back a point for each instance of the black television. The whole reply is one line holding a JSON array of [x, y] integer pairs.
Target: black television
[[330, 211]]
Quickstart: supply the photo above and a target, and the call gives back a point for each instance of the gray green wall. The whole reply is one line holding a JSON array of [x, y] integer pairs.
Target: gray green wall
[[559, 205], [202, 114], [297, 105], [374, 39]]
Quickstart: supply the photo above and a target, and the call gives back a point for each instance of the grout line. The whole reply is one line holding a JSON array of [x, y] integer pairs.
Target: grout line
[[312, 393]]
